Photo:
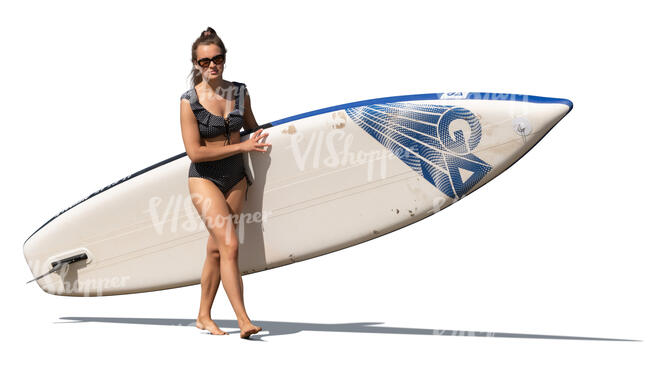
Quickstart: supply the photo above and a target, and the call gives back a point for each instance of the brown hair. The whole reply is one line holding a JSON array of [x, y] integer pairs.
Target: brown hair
[[208, 36]]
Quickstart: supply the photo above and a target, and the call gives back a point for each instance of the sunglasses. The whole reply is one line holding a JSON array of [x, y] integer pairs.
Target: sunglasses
[[218, 60]]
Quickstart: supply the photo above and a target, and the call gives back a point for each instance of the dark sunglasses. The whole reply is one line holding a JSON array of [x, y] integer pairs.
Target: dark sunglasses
[[218, 60]]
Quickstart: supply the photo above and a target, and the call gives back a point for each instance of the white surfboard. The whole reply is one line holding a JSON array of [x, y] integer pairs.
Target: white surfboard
[[334, 177]]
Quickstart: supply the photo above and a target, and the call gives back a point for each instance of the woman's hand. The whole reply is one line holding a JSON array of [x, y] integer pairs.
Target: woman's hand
[[253, 144]]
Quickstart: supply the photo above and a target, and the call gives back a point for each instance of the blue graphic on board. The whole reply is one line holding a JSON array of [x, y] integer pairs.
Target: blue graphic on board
[[434, 140]]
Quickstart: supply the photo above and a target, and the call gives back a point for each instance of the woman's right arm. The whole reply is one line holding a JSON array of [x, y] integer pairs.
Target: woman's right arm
[[192, 139]]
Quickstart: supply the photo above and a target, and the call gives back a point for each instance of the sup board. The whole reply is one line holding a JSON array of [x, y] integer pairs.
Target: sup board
[[333, 178]]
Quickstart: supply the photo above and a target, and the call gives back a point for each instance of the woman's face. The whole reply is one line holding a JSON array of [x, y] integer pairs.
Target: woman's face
[[212, 71]]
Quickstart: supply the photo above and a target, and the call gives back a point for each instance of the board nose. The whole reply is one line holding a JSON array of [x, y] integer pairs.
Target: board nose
[[557, 109]]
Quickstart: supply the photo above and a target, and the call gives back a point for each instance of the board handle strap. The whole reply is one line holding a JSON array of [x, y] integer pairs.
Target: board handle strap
[[59, 264]]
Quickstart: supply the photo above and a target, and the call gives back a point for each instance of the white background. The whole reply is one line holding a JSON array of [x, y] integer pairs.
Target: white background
[[555, 246]]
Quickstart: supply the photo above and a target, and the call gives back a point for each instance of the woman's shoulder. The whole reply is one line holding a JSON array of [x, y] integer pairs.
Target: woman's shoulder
[[189, 94], [238, 84]]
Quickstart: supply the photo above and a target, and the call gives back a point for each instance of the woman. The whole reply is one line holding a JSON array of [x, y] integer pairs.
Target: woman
[[217, 178]]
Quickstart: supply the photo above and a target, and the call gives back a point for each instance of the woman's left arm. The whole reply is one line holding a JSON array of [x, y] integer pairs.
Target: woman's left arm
[[249, 119]]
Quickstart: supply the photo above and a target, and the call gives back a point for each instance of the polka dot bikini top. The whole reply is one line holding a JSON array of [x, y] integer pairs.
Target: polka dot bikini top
[[211, 125]]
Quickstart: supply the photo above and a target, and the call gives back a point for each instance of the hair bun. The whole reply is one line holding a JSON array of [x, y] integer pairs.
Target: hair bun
[[208, 33]]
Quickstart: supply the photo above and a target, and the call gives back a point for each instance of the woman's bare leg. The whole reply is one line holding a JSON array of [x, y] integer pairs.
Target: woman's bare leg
[[211, 274], [229, 262], [215, 213], [210, 279]]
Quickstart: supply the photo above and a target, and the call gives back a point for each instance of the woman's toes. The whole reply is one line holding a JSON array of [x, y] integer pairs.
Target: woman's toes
[[248, 331], [210, 326]]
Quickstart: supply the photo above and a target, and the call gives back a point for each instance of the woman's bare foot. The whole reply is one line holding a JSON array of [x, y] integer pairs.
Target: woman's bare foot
[[248, 329], [205, 323]]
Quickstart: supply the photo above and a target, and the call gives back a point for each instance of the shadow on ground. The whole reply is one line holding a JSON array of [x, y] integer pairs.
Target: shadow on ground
[[273, 328]]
